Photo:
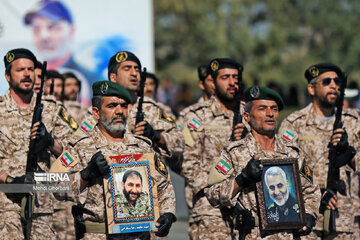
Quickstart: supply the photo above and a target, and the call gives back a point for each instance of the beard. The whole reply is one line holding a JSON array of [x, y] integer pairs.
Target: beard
[[17, 88], [284, 199], [326, 103], [111, 127], [224, 96], [127, 195]]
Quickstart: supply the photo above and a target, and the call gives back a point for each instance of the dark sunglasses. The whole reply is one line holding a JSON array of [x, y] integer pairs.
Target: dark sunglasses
[[327, 81]]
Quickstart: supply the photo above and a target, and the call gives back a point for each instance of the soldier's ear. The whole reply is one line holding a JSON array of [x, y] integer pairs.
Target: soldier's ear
[[246, 116], [311, 89], [112, 77], [7, 76], [201, 85], [96, 113]]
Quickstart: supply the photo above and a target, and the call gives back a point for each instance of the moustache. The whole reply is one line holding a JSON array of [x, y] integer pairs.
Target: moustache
[[118, 117], [26, 79]]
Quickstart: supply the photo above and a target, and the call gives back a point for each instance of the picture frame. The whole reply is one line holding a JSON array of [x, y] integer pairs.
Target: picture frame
[[280, 200], [131, 198]]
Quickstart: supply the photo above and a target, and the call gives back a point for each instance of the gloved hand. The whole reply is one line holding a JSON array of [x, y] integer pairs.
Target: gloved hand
[[309, 223], [150, 133], [26, 178], [43, 140], [341, 153], [325, 200], [250, 174], [97, 167], [165, 221]]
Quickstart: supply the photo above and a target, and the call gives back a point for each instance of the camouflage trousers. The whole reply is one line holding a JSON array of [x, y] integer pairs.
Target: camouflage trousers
[[255, 234], [210, 227], [64, 223], [42, 227], [10, 226], [333, 236]]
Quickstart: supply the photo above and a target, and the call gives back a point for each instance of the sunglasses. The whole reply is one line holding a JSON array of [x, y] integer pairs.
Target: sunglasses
[[327, 81]]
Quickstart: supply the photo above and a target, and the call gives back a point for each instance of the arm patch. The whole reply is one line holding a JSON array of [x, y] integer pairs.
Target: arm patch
[[64, 163], [68, 119], [307, 172]]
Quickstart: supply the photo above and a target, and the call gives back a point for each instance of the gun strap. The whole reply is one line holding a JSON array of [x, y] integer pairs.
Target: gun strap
[[198, 195], [23, 206], [94, 227]]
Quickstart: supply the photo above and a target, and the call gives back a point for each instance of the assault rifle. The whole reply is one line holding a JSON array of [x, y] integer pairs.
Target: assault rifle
[[32, 157], [140, 113], [237, 115]]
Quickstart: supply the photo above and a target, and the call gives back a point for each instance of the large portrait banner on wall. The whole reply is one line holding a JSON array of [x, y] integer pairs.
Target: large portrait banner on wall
[[130, 194], [279, 195]]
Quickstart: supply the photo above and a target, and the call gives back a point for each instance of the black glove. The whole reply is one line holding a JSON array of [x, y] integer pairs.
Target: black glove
[[309, 223], [325, 200], [165, 221], [150, 133], [26, 178], [43, 140], [97, 167], [250, 174]]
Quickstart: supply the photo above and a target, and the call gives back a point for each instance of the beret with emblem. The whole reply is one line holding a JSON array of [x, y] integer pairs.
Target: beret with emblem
[[263, 93], [220, 63], [316, 70], [203, 71], [123, 56], [111, 89], [53, 74], [17, 53]]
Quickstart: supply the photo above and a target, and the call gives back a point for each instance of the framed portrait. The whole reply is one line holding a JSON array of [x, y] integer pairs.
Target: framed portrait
[[279, 195], [130, 194]]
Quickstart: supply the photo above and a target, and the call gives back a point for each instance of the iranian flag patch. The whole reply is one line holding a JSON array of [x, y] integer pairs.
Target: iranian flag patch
[[287, 135], [194, 124], [86, 127], [66, 159], [223, 167]]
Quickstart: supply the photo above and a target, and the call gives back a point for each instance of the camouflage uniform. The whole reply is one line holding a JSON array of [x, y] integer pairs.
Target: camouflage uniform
[[237, 155], [313, 137], [141, 208], [75, 109], [83, 147], [202, 147], [15, 138], [185, 111]]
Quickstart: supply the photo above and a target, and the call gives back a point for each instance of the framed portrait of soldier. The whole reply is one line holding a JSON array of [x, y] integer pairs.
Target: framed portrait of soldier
[[279, 195], [130, 194]]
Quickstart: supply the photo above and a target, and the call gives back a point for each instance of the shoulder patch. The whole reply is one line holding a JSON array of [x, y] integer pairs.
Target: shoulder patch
[[223, 167], [307, 172], [194, 124], [219, 171], [163, 116], [288, 135], [86, 127], [64, 163], [160, 166], [68, 119]]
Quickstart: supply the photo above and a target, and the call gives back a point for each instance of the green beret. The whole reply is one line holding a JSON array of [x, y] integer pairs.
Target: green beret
[[107, 88], [263, 93], [316, 70], [17, 53], [122, 56]]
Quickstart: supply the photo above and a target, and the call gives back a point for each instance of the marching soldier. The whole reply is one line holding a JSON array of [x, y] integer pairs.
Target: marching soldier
[[312, 128], [108, 138], [234, 175], [16, 108], [208, 128]]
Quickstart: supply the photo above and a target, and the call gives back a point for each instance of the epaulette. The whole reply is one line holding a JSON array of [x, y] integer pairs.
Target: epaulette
[[142, 138], [49, 98], [75, 138], [351, 113], [235, 144], [298, 114]]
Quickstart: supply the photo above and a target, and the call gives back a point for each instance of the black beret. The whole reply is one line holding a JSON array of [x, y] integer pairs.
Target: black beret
[[108, 88], [263, 93], [123, 56], [53, 74], [203, 71], [153, 76], [220, 63], [39, 65], [17, 53], [316, 70]]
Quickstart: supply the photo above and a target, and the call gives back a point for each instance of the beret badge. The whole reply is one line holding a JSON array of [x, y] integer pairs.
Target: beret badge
[[314, 71], [214, 65], [203, 71], [255, 92], [121, 57], [104, 88], [10, 57]]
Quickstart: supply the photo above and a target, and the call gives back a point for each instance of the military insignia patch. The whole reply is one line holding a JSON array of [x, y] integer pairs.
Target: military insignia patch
[[10, 57], [121, 57], [164, 116], [314, 72], [104, 88], [223, 167], [194, 124], [203, 71], [160, 167], [288, 136], [66, 159], [69, 120], [214, 65], [85, 127], [255, 92], [307, 172]]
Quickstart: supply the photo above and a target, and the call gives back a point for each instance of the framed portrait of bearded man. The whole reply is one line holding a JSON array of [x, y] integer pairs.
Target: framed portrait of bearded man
[[279, 195]]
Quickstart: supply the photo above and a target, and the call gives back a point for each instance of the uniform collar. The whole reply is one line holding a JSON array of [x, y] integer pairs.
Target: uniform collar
[[217, 110], [312, 120], [11, 105], [280, 146]]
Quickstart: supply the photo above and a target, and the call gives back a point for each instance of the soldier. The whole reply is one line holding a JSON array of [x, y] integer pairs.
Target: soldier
[[209, 128], [37, 84], [312, 128], [54, 85], [72, 88], [109, 137], [236, 181], [16, 108]]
